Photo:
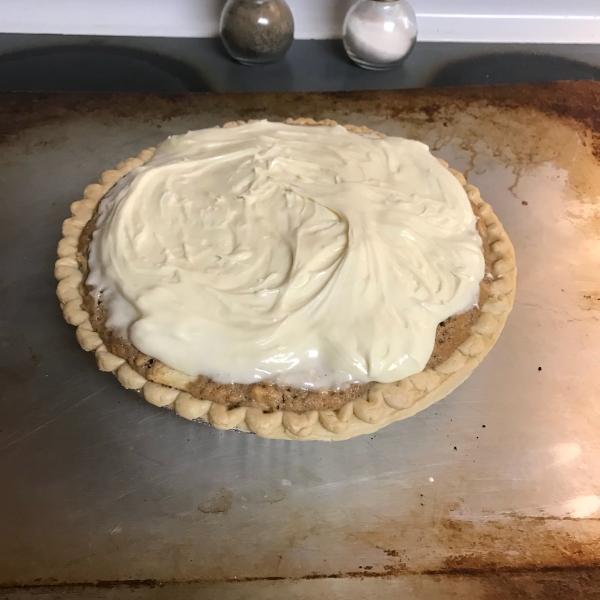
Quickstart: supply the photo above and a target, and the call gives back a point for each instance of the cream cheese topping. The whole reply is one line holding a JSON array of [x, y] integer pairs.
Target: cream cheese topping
[[307, 256]]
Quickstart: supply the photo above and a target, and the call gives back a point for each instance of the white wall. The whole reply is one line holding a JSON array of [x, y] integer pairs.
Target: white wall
[[553, 21]]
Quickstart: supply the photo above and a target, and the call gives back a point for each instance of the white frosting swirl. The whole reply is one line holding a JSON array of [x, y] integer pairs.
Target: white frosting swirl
[[309, 256]]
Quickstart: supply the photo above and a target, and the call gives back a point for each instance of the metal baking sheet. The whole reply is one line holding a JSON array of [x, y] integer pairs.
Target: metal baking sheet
[[492, 492]]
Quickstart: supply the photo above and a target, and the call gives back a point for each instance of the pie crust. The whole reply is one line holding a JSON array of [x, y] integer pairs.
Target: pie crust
[[384, 404]]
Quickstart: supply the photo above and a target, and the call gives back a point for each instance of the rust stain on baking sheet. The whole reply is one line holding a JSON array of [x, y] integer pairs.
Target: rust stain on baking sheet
[[20, 364], [574, 102], [591, 300], [518, 543], [548, 584], [527, 543], [219, 503], [524, 125], [584, 214], [510, 557]]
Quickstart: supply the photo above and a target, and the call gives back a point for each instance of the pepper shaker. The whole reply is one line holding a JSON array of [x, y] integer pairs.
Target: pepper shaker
[[257, 31], [379, 34]]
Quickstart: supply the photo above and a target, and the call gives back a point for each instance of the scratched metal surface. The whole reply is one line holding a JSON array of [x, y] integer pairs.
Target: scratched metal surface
[[497, 483]]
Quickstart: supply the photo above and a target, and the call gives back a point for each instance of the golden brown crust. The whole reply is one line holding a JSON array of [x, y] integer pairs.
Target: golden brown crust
[[270, 411]]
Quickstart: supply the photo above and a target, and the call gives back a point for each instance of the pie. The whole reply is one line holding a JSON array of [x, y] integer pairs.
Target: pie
[[300, 280]]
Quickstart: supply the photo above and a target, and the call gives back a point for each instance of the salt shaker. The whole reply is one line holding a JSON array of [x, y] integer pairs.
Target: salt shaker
[[379, 34], [257, 31]]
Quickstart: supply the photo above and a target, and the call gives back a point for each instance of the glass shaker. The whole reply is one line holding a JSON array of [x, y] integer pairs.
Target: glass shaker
[[257, 31], [379, 34]]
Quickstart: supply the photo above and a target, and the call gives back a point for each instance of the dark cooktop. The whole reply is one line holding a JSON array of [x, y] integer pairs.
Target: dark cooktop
[[168, 65]]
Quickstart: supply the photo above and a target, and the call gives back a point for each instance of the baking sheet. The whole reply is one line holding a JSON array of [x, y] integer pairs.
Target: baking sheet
[[492, 488]]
